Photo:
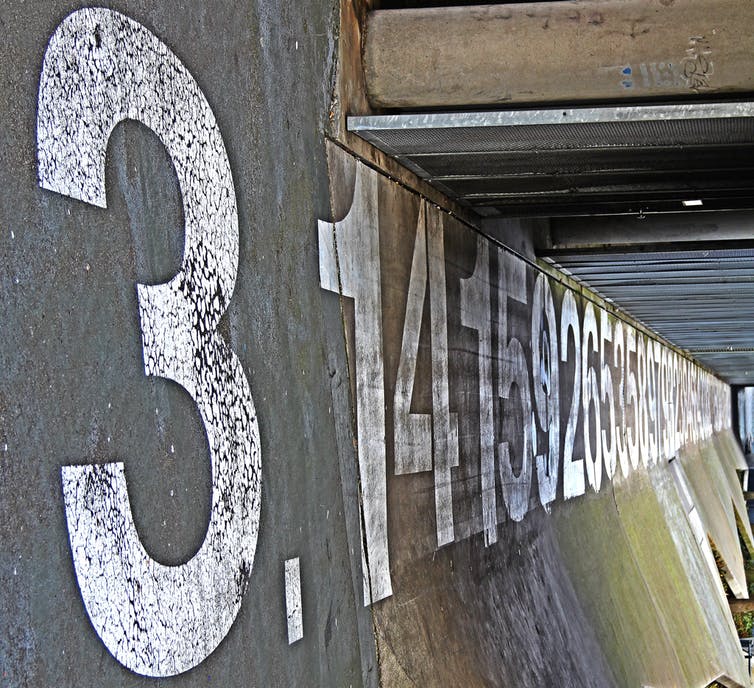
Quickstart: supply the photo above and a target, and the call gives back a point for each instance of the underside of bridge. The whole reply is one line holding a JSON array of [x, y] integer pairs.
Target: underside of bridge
[[376, 343], [627, 125], [610, 142]]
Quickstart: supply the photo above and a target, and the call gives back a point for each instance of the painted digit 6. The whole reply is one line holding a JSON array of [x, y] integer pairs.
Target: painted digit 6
[[101, 68]]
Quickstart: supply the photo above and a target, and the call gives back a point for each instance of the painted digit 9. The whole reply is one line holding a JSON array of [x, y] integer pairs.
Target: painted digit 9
[[101, 68]]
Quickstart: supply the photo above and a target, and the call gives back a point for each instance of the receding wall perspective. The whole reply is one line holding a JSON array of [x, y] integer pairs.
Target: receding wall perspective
[[274, 412], [518, 441]]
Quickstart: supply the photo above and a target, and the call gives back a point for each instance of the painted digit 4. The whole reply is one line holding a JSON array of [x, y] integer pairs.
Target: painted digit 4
[[146, 613], [426, 440]]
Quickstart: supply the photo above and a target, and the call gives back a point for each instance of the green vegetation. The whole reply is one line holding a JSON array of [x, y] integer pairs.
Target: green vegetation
[[745, 620]]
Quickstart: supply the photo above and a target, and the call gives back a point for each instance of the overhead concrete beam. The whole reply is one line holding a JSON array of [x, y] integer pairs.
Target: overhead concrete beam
[[625, 230], [558, 51]]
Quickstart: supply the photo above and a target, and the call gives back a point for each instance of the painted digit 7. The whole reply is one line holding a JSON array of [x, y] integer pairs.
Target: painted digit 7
[[101, 68]]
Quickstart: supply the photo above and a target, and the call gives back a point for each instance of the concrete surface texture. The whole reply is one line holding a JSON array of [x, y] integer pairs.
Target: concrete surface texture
[[74, 390], [525, 569], [353, 441], [547, 52]]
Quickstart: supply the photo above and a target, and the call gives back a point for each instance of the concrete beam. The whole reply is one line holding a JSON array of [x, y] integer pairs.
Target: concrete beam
[[558, 51], [630, 230]]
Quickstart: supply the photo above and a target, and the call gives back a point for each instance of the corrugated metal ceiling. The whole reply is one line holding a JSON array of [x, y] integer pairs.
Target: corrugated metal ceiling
[[578, 161], [700, 300], [638, 159]]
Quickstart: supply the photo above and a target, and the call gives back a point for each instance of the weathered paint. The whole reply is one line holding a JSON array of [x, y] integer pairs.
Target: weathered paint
[[514, 584], [496, 300], [293, 609], [101, 68], [560, 405], [205, 180]]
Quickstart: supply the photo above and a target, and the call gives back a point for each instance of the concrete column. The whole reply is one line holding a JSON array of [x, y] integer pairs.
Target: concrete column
[[749, 416]]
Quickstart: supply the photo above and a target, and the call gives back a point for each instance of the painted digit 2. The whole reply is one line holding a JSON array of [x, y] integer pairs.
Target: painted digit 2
[[101, 68]]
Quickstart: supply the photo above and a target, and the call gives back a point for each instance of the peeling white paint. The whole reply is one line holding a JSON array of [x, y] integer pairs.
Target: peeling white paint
[[573, 469], [475, 314], [591, 391], [546, 393], [427, 441], [293, 607], [413, 431], [349, 264], [101, 68], [590, 398], [514, 370], [444, 423]]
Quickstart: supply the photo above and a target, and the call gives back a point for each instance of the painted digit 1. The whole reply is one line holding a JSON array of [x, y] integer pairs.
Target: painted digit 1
[[101, 68], [475, 314], [349, 265]]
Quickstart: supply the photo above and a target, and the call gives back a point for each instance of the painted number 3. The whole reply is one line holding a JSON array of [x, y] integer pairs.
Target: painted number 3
[[101, 68]]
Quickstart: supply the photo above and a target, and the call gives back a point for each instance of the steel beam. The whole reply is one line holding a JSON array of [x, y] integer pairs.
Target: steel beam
[[583, 50]]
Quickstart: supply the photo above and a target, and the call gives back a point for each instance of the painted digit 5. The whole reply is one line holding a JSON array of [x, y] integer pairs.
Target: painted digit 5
[[101, 68]]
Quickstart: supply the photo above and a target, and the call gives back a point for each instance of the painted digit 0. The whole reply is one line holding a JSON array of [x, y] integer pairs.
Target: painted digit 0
[[101, 68]]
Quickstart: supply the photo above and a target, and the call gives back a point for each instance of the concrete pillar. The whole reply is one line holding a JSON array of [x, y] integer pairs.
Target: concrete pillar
[[740, 402]]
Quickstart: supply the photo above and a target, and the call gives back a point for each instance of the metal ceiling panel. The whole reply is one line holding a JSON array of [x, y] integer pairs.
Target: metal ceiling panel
[[608, 161], [590, 160], [700, 300]]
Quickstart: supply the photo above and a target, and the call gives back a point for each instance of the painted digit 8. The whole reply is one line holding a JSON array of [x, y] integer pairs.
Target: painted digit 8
[[101, 68]]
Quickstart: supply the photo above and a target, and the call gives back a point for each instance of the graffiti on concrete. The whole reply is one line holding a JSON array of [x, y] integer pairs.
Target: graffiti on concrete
[[697, 65], [507, 386], [101, 68]]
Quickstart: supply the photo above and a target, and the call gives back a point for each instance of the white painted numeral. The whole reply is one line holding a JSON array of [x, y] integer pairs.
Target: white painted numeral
[[619, 361], [641, 383], [413, 431], [607, 396], [514, 371], [651, 394], [573, 469], [632, 433], [444, 423], [293, 607], [424, 440], [591, 399], [349, 264], [475, 314], [545, 367], [101, 68]]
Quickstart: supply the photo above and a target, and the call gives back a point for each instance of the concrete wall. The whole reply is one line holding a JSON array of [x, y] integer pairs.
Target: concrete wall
[[521, 520], [74, 390], [372, 446]]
